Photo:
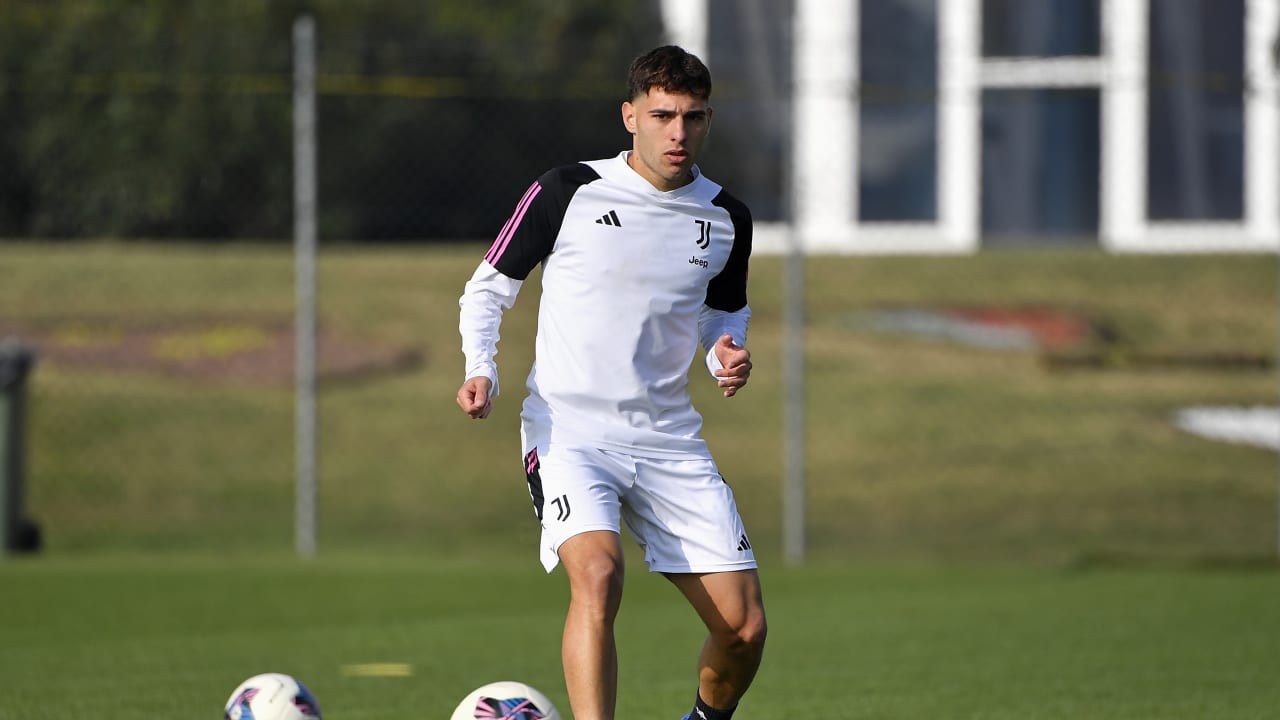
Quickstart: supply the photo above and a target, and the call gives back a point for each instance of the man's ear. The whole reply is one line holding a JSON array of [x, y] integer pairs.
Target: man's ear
[[629, 117]]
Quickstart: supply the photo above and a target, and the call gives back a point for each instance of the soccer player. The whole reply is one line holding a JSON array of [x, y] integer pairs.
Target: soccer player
[[643, 257]]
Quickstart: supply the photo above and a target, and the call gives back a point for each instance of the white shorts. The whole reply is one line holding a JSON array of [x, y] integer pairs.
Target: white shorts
[[681, 512]]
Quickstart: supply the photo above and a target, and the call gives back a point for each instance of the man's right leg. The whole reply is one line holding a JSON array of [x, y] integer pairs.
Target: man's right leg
[[594, 563]]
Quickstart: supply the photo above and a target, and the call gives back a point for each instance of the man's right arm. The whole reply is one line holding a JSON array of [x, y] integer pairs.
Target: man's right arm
[[524, 242], [488, 294]]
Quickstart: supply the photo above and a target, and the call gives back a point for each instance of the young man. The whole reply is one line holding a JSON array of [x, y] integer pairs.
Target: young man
[[642, 257]]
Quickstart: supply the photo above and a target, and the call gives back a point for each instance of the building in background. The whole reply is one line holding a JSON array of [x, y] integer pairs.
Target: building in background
[[948, 125]]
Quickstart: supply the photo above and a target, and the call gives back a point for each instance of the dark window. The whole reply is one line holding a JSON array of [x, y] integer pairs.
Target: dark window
[[1195, 143], [1041, 27], [1040, 155], [749, 54], [897, 129]]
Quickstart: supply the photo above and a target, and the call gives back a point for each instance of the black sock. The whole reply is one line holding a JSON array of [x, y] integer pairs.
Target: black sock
[[703, 711]]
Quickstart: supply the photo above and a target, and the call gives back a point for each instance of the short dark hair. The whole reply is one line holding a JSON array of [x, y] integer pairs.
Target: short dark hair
[[669, 68]]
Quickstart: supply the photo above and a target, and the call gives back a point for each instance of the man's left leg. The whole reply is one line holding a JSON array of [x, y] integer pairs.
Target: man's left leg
[[731, 605]]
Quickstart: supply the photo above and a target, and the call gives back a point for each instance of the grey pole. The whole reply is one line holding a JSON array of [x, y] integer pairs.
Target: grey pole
[[793, 353], [793, 499], [304, 235]]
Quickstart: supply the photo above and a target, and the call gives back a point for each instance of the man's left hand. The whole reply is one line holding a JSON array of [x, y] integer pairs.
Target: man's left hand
[[737, 365]]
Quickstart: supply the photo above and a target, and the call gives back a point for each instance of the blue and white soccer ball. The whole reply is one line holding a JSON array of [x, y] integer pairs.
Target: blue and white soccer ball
[[272, 696], [505, 700]]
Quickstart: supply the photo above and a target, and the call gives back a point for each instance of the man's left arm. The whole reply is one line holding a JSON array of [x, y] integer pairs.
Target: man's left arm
[[724, 334], [722, 325]]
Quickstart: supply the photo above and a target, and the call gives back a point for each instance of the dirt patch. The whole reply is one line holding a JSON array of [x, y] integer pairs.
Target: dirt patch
[[1065, 340], [996, 328], [239, 349]]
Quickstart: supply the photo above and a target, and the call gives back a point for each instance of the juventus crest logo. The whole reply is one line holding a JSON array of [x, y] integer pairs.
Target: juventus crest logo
[[704, 233], [562, 507]]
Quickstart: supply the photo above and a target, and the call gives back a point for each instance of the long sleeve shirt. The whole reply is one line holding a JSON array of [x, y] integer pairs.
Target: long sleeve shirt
[[633, 280]]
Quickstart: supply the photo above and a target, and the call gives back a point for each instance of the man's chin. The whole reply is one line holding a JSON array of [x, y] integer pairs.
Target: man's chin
[[678, 173]]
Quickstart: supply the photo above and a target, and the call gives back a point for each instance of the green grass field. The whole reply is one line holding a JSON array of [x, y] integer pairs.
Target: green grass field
[[141, 637], [989, 536]]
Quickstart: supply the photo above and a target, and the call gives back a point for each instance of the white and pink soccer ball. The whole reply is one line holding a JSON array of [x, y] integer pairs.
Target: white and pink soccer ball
[[505, 700], [272, 696]]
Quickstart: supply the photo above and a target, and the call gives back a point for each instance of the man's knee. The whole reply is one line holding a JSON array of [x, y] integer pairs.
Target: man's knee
[[599, 574], [595, 575], [746, 637]]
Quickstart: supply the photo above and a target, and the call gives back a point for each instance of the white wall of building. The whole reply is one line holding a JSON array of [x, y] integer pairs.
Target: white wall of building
[[825, 115]]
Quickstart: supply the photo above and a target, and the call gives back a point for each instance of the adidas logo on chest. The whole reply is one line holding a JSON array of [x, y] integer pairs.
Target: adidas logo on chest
[[610, 218]]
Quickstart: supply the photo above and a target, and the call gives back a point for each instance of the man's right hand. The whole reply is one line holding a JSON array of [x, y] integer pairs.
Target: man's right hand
[[473, 397]]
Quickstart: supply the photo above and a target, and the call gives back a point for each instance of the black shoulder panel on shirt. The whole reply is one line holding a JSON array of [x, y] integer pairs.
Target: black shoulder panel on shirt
[[728, 290], [530, 233]]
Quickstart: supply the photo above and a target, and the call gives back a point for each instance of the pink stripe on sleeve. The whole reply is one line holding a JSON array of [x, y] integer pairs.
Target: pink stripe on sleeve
[[504, 238]]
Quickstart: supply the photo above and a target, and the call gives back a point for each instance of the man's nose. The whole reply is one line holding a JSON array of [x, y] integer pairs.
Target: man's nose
[[678, 129]]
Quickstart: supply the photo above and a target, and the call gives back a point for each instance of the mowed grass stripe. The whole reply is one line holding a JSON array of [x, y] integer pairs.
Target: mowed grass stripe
[[119, 639]]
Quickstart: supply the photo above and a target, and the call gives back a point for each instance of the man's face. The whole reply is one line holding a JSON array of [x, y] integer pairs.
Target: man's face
[[668, 130]]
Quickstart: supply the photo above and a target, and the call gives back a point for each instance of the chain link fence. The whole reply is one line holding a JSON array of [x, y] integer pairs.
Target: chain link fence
[[146, 216]]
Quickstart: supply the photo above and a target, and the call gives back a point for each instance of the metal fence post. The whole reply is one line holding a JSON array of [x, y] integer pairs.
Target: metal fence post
[[304, 228]]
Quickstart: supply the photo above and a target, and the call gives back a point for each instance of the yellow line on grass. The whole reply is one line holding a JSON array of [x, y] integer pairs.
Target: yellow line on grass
[[378, 670]]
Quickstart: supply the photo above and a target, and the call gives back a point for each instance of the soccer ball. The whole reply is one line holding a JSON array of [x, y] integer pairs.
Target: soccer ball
[[272, 696], [505, 700]]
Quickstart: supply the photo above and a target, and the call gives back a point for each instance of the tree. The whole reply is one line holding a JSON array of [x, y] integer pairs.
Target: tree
[[172, 119]]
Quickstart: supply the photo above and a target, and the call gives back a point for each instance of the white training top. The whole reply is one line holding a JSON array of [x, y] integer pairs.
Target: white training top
[[633, 278]]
